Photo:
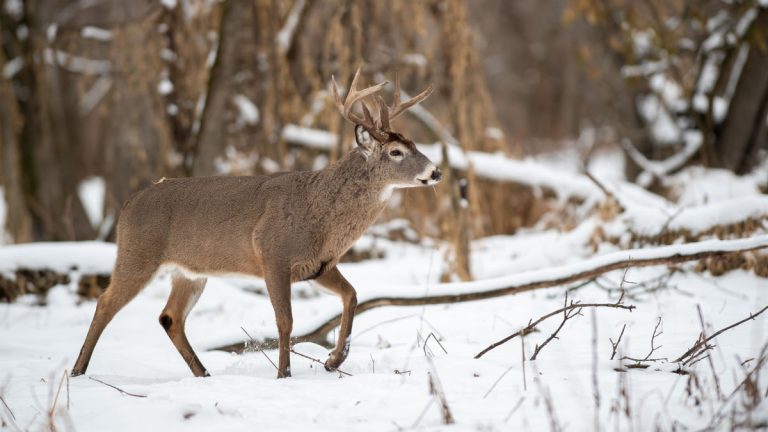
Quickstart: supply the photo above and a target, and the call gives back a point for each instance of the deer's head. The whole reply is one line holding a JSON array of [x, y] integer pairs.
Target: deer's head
[[393, 157]]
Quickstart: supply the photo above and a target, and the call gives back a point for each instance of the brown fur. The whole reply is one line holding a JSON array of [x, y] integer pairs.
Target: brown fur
[[284, 227]]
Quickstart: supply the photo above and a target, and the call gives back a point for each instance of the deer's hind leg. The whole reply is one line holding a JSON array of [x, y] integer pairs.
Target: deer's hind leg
[[127, 281], [184, 295]]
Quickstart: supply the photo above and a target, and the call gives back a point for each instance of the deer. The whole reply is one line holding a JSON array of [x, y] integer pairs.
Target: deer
[[283, 227]]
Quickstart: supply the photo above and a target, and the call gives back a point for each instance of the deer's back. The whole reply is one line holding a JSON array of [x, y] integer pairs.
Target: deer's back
[[203, 224]]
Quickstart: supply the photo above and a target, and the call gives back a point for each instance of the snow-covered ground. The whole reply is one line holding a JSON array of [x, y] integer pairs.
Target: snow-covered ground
[[573, 385]]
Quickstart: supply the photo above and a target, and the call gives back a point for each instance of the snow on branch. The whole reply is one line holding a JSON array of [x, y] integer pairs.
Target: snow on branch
[[490, 166], [659, 169], [285, 36], [77, 64], [459, 292], [311, 138]]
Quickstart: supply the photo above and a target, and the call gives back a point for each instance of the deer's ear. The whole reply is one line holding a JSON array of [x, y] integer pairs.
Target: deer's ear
[[364, 139]]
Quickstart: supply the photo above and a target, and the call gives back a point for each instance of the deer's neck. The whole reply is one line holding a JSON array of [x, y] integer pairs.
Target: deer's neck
[[348, 193], [354, 180]]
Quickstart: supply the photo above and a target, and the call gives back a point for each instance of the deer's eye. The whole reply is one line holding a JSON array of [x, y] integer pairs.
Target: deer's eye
[[395, 153]]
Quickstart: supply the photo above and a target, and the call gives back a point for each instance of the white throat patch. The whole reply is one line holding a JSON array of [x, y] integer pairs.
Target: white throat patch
[[386, 193]]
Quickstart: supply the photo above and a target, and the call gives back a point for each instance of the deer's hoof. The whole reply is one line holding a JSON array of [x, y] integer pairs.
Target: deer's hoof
[[333, 363]]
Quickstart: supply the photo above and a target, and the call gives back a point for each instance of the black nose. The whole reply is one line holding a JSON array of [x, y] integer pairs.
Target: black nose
[[436, 174]]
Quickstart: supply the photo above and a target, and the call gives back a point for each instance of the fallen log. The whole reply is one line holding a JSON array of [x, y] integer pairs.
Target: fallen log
[[544, 278]]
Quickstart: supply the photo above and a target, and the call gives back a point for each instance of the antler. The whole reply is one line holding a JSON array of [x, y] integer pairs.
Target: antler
[[388, 113], [354, 95]]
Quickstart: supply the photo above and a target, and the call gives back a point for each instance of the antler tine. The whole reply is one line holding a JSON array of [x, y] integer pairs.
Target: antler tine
[[389, 113], [354, 95], [383, 113], [398, 107], [367, 114]]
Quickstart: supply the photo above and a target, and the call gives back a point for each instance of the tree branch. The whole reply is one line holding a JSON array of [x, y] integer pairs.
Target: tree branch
[[566, 316], [702, 341], [665, 255]]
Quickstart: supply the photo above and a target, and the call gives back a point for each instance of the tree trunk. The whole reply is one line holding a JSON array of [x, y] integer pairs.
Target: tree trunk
[[745, 129]]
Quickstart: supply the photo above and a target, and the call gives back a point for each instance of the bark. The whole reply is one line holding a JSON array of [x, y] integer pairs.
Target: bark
[[138, 139], [745, 129], [211, 138], [18, 220], [319, 334]]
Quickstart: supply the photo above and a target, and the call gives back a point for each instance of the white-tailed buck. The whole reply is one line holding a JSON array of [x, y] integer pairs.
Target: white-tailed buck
[[284, 227]]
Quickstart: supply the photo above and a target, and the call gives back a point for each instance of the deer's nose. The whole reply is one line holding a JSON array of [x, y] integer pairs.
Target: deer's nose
[[436, 175]]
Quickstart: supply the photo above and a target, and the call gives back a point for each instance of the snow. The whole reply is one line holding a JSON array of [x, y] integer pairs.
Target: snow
[[165, 87], [395, 350], [51, 31], [235, 162], [285, 35], [248, 111], [649, 220], [87, 257], [135, 355], [415, 59], [662, 126], [91, 192], [14, 8], [75, 63], [95, 95], [497, 166], [698, 185], [97, 33], [307, 137], [494, 133], [745, 22], [12, 67], [643, 42], [692, 142]]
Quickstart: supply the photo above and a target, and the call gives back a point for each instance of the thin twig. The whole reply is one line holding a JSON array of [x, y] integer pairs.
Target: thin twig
[[532, 325], [522, 355], [318, 361], [615, 345], [670, 256], [759, 364], [497, 382], [554, 424], [647, 358], [709, 357], [703, 341], [432, 335], [422, 413], [259, 349], [117, 388], [698, 360], [608, 194], [567, 314], [595, 384], [66, 374], [7, 407], [58, 391], [436, 390], [514, 408]]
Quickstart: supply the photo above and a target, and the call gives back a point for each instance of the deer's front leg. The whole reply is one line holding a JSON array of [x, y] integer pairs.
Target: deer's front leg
[[333, 280], [279, 288]]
